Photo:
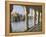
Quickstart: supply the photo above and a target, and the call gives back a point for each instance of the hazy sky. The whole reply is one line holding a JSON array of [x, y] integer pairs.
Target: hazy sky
[[21, 10]]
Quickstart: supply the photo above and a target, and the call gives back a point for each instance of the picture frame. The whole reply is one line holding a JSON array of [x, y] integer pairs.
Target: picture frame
[[8, 16]]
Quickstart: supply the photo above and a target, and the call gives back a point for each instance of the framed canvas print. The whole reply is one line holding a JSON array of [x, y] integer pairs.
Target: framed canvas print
[[24, 18]]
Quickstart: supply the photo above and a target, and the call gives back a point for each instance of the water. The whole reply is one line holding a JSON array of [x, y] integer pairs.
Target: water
[[21, 26]]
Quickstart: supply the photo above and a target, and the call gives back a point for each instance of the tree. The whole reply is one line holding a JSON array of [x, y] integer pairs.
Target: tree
[[27, 12]]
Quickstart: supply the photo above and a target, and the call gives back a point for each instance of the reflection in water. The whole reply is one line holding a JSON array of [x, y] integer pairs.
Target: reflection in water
[[18, 26]]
